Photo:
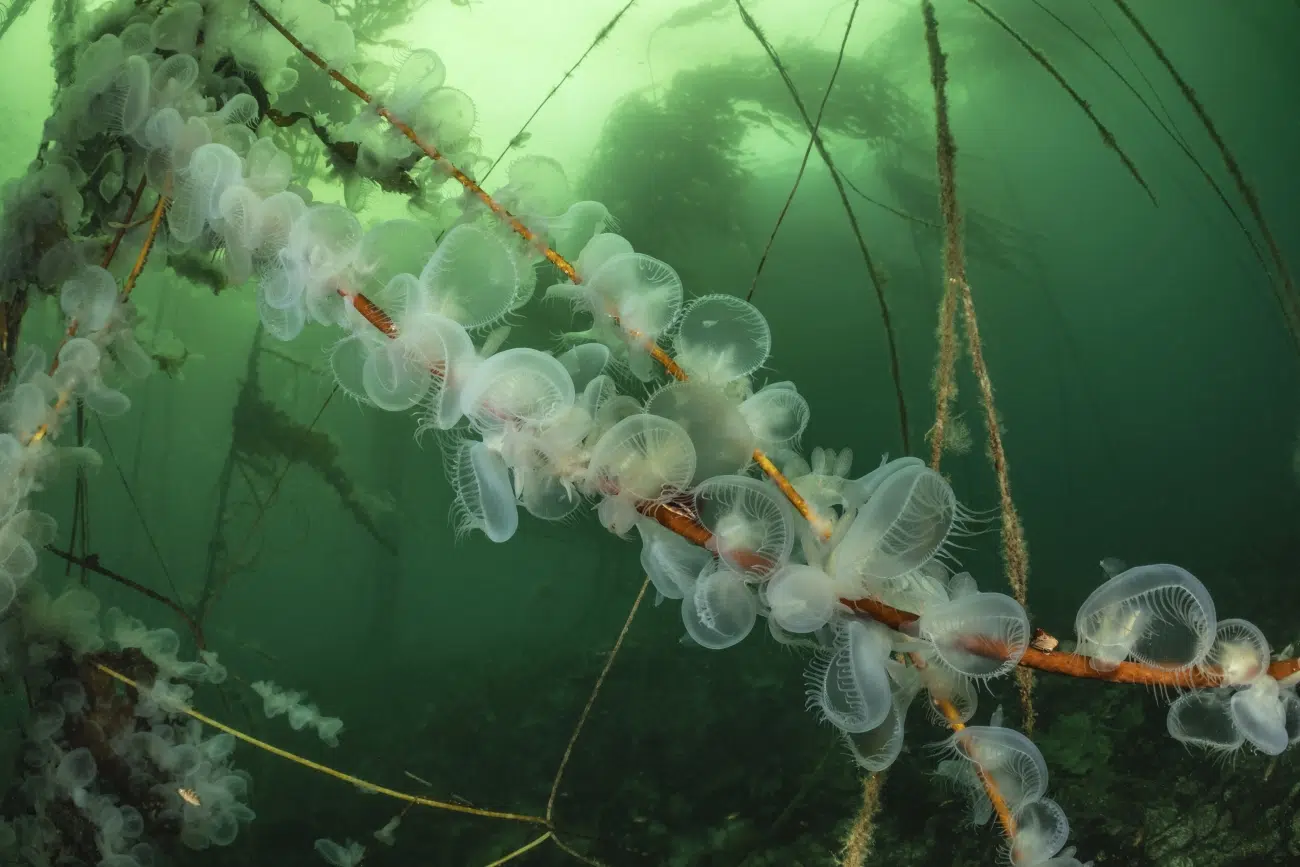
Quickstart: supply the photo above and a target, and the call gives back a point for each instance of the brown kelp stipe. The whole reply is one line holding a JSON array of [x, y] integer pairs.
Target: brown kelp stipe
[[378, 318]]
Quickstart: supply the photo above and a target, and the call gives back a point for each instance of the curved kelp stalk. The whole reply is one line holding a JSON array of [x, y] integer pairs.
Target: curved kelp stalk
[[807, 152], [1168, 129], [522, 135], [1107, 137], [1015, 553], [872, 621], [1288, 298], [877, 279]]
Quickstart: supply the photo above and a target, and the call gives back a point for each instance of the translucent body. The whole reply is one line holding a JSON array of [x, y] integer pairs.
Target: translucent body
[[385, 372], [599, 400], [25, 408], [1012, 761], [379, 373], [239, 223], [858, 491], [388, 249], [173, 76], [850, 684], [980, 635], [80, 363], [643, 293], [177, 28], [800, 598], [443, 347], [644, 457], [720, 610], [471, 277], [538, 187], [545, 495], [575, 228], [1239, 653], [902, 526], [485, 499], [21, 536], [267, 169], [372, 367], [323, 242], [520, 386], [750, 523], [721, 338], [585, 362], [606, 407], [819, 480], [282, 80], [1204, 718], [777, 417], [548, 461], [877, 748], [422, 72], [722, 438], [632, 299], [599, 250], [830, 462], [672, 563], [349, 854], [278, 284], [132, 95], [1260, 713], [76, 769], [90, 298], [1160, 615], [445, 118], [915, 591], [944, 684], [1041, 832], [211, 170]]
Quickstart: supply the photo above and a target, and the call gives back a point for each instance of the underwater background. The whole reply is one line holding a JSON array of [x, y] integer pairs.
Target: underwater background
[[1145, 376]]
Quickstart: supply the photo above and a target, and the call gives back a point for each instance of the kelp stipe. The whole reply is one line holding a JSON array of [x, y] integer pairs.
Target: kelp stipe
[[552, 434]]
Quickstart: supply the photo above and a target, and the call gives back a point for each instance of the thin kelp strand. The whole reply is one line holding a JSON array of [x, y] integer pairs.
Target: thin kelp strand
[[877, 280], [1107, 137], [803, 163], [601, 36], [1286, 294], [1175, 137]]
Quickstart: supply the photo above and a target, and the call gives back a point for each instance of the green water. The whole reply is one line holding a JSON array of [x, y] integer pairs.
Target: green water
[[1146, 382]]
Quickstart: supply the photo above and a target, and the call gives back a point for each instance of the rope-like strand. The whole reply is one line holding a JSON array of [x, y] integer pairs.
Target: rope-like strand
[[953, 717], [1286, 294], [1014, 550], [862, 833], [591, 701], [381, 320], [807, 152], [521, 850], [877, 279], [1107, 137], [91, 563], [325, 769], [601, 36]]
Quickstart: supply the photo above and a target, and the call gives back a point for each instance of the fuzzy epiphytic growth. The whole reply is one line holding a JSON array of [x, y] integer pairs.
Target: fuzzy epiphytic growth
[[857, 842], [1014, 551]]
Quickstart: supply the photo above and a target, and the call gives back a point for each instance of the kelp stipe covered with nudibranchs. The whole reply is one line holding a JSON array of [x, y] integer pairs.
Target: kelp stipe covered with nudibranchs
[[735, 525]]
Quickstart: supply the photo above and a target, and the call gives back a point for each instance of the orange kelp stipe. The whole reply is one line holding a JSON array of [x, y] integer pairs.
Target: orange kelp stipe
[[376, 316], [681, 520]]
